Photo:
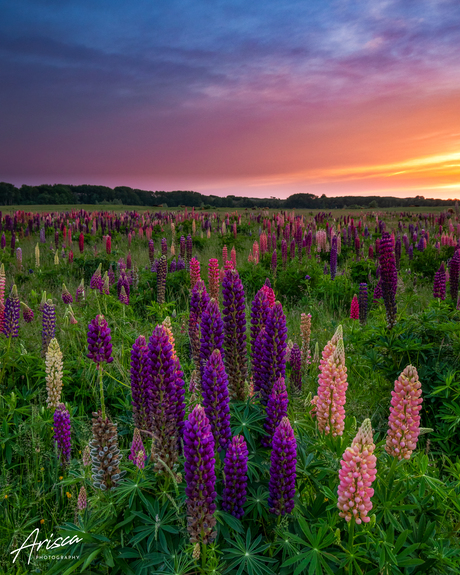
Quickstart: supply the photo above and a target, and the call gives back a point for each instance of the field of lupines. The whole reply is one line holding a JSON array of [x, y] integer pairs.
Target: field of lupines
[[189, 392]]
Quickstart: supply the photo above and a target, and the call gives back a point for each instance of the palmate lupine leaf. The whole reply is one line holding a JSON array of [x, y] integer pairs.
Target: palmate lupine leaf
[[257, 503], [247, 556]]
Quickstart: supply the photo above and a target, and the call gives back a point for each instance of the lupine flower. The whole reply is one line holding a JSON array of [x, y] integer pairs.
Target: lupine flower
[[81, 242], [282, 469], [328, 405], [161, 279], [362, 303], [259, 313], [454, 274], [404, 420], [235, 472], [53, 364], [212, 336], [48, 324], [62, 432], [272, 364], [19, 257], [108, 245], [378, 291], [181, 246], [268, 291], [200, 477], [333, 257], [3, 241], [439, 287], [27, 313], [70, 258], [213, 277], [80, 295], [198, 303], [129, 262], [389, 277], [357, 473], [111, 275], [296, 367], [86, 457], [151, 251], [66, 295], [194, 272], [82, 500], [214, 385], [99, 340], [234, 316], [305, 333], [276, 409], [105, 454], [140, 384], [354, 308], [96, 279], [284, 253], [106, 284], [123, 282], [12, 313], [137, 447]]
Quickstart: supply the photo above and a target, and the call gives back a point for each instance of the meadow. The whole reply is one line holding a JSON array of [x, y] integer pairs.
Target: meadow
[[210, 392]]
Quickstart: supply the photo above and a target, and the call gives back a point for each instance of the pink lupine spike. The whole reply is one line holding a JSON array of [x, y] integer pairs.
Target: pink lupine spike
[[194, 272], [354, 308], [214, 277]]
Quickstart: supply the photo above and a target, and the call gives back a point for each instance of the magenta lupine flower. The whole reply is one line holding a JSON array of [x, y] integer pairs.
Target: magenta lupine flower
[[137, 447], [389, 277], [48, 324], [234, 317], [354, 308], [214, 387], [439, 286], [108, 245], [162, 271], [200, 477], [454, 267], [357, 473], [212, 336], [276, 409], [140, 384], [404, 420], [282, 469], [27, 313], [268, 291], [82, 500], [362, 303], [123, 297], [272, 364], [194, 272], [236, 479], [163, 400], [99, 340], [332, 386], [62, 432], [213, 278], [333, 257], [296, 367], [66, 295]]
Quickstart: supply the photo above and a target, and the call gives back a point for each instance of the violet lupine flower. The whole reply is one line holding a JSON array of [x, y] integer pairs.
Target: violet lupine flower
[[182, 247], [260, 310], [378, 291], [439, 286], [200, 477], [96, 279], [99, 340], [454, 268], [42, 235], [62, 432], [410, 252], [354, 308], [212, 336], [27, 313], [198, 303], [164, 247], [66, 295], [276, 409], [123, 297], [48, 325], [140, 384], [362, 303], [292, 249], [172, 266], [161, 279], [282, 469], [123, 281], [180, 264], [194, 272], [236, 479], [11, 314], [214, 386], [357, 473], [333, 257], [296, 367], [284, 253], [151, 251], [272, 363], [137, 446], [213, 278], [404, 420], [234, 317], [163, 400], [389, 277]]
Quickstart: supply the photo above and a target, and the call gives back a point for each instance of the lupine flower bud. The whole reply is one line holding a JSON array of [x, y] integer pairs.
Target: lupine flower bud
[[151, 252], [27, 313], [161, 279], [137, 447], [282, 469], [66, 295], [99, 340], [96, 279], [105, 454], [53, 374], [276, 409], [404, 420], [235, 472], [200, 477], [213, 277], [106, 284], [357, 473], [362, 303], [86, 458], [123, 282], [62, 432], [48, 325], [82, 501], [354, 308], [389, 277], [212, 336], [81, 242], [12, 312]]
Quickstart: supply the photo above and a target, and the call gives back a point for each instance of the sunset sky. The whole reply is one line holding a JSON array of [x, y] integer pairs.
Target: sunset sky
[[256, 98]]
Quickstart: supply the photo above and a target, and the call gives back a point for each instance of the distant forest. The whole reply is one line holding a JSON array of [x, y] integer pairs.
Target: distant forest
[[102, 195]]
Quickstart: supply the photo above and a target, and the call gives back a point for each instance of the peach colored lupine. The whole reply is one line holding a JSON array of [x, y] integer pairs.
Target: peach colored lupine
[[214, 277], [255, 252], [404, 420], [224, 254], [194, 272], [357, 475]]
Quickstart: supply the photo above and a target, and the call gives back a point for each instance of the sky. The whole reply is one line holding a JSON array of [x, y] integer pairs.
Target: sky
[[262, 98]]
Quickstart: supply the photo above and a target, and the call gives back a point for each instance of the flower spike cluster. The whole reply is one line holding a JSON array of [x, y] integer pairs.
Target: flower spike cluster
[[235, 472], [53, 374]]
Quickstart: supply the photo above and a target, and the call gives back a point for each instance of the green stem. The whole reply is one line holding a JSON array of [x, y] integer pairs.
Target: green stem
[[101, 391], [203, 556], [351, 533], [5, 358]]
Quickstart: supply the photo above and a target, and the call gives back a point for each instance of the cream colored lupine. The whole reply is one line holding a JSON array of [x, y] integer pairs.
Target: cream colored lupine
[[37, 256], [193, 227], [53, 363]]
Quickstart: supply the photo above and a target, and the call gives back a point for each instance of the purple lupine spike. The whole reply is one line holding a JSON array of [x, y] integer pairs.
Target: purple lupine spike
[[62, 432], [333, 257], [212, 336], [236, 479], [123, 282], [96, 279], [378, 291], [198, 303], [389, 277], [200, 477], [182, 247], [48, 324], [137, 446], [214, 387], [180, 264], [162, 270], [162, 400], [410, 252], [454, 269], [42, 235], [172, 266], [140, 384], [233, 310], [362, 303], [276, 409], [3, 241], [296, 367], [151, 251], [272, 365], [282, 469], [66, 295], [11, 314], [439, 286], [99, 340], [292, 249], [260, 311], [164, 247], [111, 275]]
